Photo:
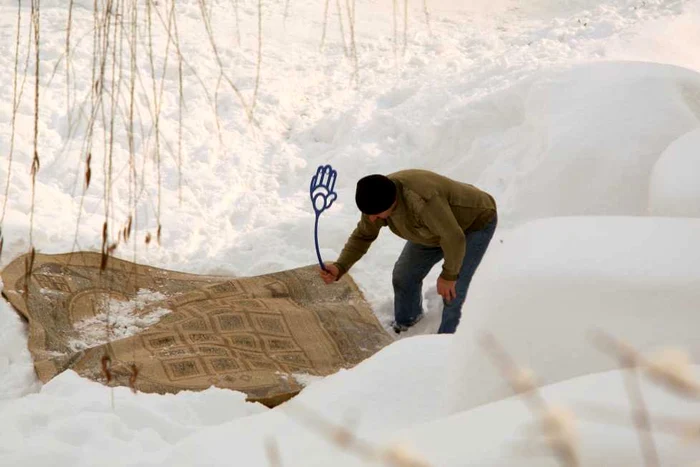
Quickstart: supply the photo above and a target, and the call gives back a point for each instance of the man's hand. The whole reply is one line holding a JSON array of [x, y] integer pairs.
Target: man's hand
[[446, 289], [331, 275]]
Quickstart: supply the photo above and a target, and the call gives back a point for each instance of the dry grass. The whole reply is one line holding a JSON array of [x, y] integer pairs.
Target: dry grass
[[556, 423], [342, 436], [669, 368]]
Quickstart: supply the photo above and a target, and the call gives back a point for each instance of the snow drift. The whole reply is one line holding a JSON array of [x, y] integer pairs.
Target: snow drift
[[554, 281], [489, 100], [575, 141], [674, 187]]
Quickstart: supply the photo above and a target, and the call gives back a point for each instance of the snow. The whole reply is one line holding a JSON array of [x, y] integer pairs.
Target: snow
[[673, 189], [580, 117], [120, 320], [506, 433], [554, 282], [574, 142], [72, 417], [17, 377]]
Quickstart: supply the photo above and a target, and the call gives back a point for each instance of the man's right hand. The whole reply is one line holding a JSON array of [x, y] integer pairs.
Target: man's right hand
[[331, 275]]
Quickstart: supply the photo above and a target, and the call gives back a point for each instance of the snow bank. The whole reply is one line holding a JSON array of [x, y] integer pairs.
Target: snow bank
[[74, 421], [399, 386], [566, 141], [595, 408], [553, 281], [662, 38], [579, 141], [675, 179], [17, 376], [596, 139], [385, 401]]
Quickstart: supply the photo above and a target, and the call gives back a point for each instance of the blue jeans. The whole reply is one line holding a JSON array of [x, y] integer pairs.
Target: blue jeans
[[416, 261]]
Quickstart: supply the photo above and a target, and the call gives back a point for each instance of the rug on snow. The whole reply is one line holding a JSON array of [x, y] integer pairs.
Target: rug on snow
[[163, 331]]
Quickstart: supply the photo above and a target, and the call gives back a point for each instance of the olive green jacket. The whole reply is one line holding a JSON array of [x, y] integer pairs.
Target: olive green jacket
[[431, 210]]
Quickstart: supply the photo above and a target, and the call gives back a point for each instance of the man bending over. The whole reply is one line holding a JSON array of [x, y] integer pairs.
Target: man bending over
[[441, 219]]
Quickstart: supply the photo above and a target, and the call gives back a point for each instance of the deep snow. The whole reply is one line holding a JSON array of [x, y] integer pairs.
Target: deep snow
[[569, 112]]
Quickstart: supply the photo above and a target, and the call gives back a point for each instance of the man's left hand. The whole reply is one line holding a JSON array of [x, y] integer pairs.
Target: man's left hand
[[446, 289]]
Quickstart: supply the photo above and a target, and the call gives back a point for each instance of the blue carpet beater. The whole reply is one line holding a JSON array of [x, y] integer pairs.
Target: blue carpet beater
[[322, 197]]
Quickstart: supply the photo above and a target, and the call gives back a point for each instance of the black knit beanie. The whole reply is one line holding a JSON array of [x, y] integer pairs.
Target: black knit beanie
[[375, 194]]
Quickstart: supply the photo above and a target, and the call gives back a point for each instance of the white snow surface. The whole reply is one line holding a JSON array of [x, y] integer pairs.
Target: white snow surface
[[580, 117], [120, 320], [554, 284], [673, 189]]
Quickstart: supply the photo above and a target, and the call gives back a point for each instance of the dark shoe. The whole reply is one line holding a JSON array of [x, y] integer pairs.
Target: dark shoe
[[399, 328]]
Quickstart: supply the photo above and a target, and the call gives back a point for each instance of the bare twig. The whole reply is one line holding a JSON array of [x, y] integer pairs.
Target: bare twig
[[181, 99], [341, 436], [353, 47], [238, 24], [215, 49], [395, 9], [36, 21], [133, 53], [67, 57], [427, 16], [405, 27], [133, 376], [273, 453], [106, 364], [258, 61], [559, 435], [156, 104], [16, 95], [342, 29], [675, 426], [114, 94], [640, 415], [28, 270], [95, 103], [628, 359], [325, 23], [286, 12], [671, 368]]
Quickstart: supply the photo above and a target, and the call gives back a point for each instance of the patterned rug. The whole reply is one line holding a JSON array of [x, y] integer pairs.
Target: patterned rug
[[163, 331]]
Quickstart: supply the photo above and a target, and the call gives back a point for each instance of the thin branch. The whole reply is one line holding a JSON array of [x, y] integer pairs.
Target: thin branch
[[15, 103], [523, 382], [343, 437], [273, 453], [286, 12], [181, 101], [353, 48], [259, 58], [405, 26], [238, 24], [67, 57], [672, 425], [325, 23], [628, 359], [640, 415], [427, 16], [342, 29], [395, 28], [212, 42], [36, 20], [156, 104]]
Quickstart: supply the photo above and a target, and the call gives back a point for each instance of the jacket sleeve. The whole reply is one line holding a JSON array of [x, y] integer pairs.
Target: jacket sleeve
[[441, 221], [359, 242]]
